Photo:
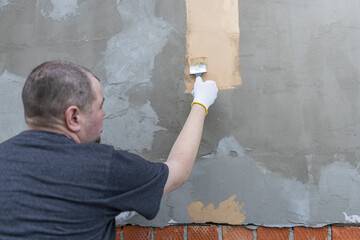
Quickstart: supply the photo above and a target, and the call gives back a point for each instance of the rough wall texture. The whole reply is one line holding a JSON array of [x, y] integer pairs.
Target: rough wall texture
[[282, 149]]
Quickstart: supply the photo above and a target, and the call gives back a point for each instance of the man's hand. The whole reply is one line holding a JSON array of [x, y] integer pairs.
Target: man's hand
[[204, 93]]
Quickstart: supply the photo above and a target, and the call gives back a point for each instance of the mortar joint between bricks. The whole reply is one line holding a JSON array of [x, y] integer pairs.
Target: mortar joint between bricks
[[219, 229], [291, 233]]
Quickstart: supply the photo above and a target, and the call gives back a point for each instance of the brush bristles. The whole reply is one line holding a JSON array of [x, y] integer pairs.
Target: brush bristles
[[197, 65], [198, 60]]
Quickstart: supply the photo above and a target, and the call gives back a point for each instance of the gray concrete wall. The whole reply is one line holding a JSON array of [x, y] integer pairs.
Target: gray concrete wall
[[282, 149]]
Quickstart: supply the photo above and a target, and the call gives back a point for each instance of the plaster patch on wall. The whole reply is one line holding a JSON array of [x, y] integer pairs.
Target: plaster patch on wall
[[124, 216], [286, 201], [339, 182], [265, 197], [62, 10], [172, 221], [228, 211], [352, 218], [227, 145], [130, 55], [12, 111], [3, 3], [128, 64], [134, 130], [213, 32]]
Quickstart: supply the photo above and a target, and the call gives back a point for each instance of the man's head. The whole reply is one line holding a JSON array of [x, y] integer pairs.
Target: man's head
[[62, 94]]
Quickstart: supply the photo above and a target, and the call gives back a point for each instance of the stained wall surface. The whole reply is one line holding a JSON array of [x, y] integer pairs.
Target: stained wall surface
[[281, 147]]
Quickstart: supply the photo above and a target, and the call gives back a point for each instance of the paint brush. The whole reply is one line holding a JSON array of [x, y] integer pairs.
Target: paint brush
[[197, 66]]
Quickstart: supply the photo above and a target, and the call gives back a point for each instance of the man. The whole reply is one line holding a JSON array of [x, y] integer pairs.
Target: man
[[57, 183]]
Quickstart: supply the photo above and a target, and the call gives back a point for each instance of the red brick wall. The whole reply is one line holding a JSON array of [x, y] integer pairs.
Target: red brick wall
[[224, 232]]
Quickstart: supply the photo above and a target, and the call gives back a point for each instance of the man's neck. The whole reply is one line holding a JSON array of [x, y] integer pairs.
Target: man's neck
[[56, 129]]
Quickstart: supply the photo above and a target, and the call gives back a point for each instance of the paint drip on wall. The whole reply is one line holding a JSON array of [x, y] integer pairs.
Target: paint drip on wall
[[228, 211], [213, 33], [61, 10], [128, 64]]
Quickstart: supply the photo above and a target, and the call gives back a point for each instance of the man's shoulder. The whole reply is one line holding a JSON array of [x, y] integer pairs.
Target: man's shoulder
[[46, 140], [11, 140]]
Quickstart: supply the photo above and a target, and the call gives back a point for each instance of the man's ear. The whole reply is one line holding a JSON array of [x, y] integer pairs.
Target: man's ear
[[72, 118]]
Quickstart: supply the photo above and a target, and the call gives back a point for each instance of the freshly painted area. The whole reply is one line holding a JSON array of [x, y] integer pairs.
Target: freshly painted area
[[228, 211], [213, 32]]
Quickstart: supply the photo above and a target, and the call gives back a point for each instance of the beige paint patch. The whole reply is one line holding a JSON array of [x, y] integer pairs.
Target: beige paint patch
[[213, 32], [229, 211]]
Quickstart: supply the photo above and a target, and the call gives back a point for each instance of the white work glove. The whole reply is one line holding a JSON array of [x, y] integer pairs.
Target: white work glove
[[204, 93]]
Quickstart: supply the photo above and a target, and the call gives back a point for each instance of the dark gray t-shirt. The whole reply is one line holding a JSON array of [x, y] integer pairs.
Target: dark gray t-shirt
[[54, 188]]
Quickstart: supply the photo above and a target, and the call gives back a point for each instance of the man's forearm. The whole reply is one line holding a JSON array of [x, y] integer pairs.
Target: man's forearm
[[184, 151]]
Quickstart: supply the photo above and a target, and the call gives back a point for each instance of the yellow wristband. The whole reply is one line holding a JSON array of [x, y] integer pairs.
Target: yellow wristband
[[206, 111]]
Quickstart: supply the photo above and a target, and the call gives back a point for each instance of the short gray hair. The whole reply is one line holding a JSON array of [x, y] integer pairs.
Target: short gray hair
[[54, 86]]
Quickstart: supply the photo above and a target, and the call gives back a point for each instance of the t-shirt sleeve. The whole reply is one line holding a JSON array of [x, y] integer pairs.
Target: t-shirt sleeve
[[136, 184]]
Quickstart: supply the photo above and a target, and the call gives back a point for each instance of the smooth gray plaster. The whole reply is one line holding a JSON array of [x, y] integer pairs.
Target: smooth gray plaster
[[286, 142]]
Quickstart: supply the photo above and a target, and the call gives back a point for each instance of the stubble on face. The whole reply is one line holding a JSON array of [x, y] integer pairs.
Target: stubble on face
[[94, 118]]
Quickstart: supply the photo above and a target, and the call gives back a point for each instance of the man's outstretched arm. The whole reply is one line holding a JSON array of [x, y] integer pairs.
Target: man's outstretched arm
[[184, 151]]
